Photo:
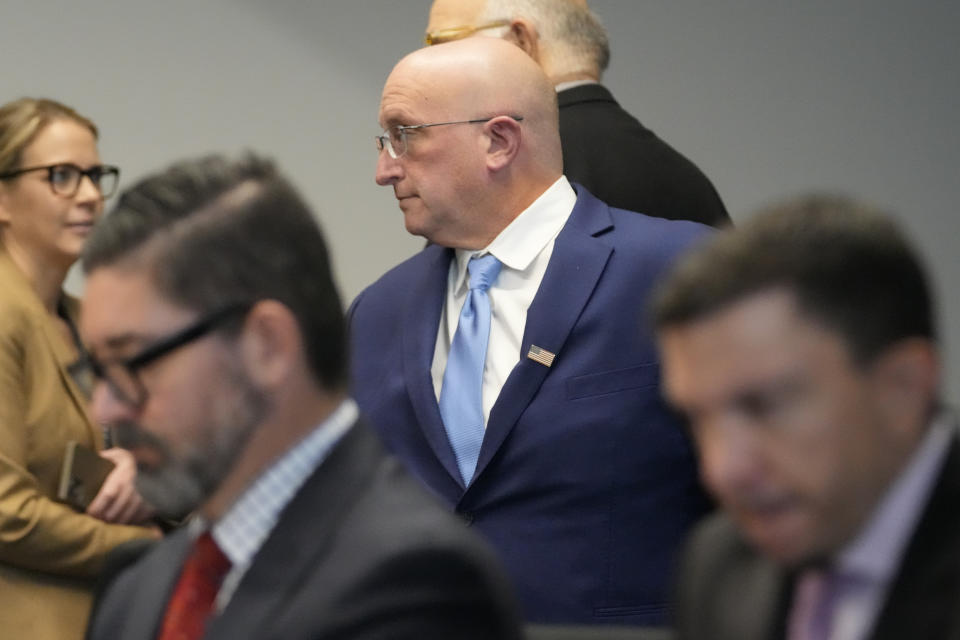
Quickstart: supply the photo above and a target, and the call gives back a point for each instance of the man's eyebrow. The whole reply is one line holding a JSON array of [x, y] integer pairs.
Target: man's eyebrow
[[781, 388], [394, 117], [124, 340]]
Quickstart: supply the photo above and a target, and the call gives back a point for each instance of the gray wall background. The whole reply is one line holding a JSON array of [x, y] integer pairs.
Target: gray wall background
[[769, 98]]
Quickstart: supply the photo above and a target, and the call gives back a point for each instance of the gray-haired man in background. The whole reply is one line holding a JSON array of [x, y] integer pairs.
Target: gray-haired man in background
[[605, 148]]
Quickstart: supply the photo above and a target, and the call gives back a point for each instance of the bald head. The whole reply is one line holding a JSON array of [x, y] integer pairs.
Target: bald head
[[480, 77], [460, 183]]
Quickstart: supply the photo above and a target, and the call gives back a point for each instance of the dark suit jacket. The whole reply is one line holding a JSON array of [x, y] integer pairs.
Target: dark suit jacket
[[626, 165], [729, 592], [361, 552], [585, 483]]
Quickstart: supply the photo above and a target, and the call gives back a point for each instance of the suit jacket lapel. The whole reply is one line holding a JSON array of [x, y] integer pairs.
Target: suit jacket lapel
[[55, 342], [301, 537], [576, 265], [12, 277], [149, 605], [420, 324], [764, 595], [922, 600]]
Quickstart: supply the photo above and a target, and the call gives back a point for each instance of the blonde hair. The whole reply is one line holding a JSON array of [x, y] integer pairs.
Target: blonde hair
[[21, 121]]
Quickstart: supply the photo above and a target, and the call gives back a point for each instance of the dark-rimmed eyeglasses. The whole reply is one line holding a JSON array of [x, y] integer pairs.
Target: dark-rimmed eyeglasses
[[65, 178], [122, 374], [455, 33], [394, 139]]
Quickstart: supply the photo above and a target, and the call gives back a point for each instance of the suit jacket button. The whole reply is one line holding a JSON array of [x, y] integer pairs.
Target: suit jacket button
[[466, 516]]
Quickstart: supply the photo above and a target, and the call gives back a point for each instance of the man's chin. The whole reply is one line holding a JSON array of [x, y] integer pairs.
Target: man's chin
[[412, 225], [173, 493], [781, 538]]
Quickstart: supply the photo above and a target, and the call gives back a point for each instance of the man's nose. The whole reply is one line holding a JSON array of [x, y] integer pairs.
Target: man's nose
[[729, 456], [106, 407], [389, 169]]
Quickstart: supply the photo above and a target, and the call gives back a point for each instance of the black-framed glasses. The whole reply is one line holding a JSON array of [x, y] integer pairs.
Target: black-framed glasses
[[121, 374], [394, 139], [455, 33], [65, 177]]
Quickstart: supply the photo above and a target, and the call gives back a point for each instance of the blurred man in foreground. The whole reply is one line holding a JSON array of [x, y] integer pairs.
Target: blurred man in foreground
[[218, 337], [802, 348], [605, 148]]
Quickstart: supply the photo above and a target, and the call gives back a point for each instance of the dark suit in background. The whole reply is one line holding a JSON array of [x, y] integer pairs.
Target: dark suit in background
[[360, 552], [626, 165], [730, 592], [585, 483]]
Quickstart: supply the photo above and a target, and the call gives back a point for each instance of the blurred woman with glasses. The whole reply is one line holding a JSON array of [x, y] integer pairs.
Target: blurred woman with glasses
[[52, 189]]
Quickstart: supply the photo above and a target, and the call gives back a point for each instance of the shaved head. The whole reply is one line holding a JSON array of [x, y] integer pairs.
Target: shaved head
[[497, 150], [478, 77]]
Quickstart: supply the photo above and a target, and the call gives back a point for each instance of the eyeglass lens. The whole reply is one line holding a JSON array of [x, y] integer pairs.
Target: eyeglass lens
[[123, 382], [65, 179], [394, 141]]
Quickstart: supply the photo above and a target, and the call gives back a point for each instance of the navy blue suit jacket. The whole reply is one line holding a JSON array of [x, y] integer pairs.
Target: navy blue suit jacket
[[586, 483]]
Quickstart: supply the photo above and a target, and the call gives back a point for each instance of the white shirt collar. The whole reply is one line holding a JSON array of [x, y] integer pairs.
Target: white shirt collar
[[242, 530], [524, 238], [563, 86]]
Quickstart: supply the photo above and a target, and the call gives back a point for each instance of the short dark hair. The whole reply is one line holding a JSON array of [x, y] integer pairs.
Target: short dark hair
[[214, 231], [848, 265]]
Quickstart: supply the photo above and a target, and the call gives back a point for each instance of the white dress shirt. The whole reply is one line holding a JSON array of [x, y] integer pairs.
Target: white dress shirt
[[524, 247]]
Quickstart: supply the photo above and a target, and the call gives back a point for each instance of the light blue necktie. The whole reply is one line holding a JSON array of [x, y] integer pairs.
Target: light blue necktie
[[460, 396]]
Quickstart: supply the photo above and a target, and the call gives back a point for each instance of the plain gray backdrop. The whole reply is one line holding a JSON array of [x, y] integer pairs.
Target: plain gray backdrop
[[768, 98]]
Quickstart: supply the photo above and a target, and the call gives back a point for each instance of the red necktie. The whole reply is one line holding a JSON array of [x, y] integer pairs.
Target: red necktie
[[192, 599]]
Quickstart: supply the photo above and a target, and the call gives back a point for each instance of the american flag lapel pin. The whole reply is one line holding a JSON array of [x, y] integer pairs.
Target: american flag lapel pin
[[538, 354]]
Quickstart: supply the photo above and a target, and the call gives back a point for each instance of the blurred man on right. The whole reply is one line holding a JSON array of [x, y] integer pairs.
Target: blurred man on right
[[605, 148], [802, 348]]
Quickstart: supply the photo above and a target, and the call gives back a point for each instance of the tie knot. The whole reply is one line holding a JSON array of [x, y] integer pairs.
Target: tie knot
[[483, 271], [209, 558], [192, 602]]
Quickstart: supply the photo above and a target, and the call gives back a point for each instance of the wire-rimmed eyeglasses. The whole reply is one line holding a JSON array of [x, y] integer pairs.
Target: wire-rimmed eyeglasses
[[394, 139], [455, 33], [65, 178]]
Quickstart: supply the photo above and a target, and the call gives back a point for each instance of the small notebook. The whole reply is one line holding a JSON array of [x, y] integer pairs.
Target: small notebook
[[82, 475]]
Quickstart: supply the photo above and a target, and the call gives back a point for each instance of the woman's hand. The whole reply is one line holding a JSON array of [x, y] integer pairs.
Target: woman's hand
[[118, 500]]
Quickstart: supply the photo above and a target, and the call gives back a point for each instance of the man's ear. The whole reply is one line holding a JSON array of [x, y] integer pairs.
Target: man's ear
[[907, 379], [504, 135], [270, 344], [523, 34]]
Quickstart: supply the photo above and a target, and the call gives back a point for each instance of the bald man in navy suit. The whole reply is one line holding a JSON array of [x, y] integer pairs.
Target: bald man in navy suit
[[577, 473]]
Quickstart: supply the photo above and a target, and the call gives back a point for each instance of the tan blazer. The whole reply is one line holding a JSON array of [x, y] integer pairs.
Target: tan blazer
[[49, 553]]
